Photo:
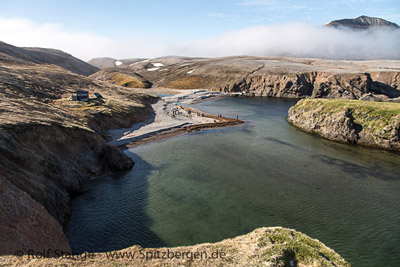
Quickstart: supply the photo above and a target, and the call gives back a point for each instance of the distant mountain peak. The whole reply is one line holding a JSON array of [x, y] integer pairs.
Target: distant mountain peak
[[362, 23]]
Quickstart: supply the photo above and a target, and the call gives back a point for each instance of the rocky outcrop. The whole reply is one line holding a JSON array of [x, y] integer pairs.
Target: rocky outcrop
[[51, 162], [375, 124], [273, 246], [363, 23]]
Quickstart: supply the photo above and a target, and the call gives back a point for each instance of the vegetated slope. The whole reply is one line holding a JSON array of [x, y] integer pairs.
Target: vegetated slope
[[277, 76], [375, 124], [124, 77], [363, 23], [273, 246], [49, 146]]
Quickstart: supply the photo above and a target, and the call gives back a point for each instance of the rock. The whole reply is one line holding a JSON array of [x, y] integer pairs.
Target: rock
[[25, 224], [375, 124], [116, 159]]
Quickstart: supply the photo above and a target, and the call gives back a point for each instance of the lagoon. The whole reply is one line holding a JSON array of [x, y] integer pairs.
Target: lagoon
[[220, 183]]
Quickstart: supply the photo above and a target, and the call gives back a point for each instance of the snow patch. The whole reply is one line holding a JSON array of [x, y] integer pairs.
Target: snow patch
[[117, 63], [191, 71], [158, 64], [152, 69], [146, 60]]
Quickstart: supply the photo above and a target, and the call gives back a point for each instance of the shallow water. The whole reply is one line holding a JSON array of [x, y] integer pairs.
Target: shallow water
[[220, 183]]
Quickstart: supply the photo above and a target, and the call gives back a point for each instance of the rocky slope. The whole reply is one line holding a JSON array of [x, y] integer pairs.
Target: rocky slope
[[28, 56], [375, 124], [272, 246], [49, 146], [62, 59], [275, 77], [362, 23]]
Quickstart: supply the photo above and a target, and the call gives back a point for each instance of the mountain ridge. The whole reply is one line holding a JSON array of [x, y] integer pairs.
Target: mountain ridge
[[34, 55], [363, 22]]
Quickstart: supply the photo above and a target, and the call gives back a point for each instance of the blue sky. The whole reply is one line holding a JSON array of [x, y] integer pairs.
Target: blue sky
[[176, 20]]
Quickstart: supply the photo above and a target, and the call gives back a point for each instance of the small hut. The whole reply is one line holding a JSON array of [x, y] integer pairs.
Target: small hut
[[80, 95]]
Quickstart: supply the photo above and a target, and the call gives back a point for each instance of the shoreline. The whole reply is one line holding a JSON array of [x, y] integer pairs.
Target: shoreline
[[172, 118], [177, 131]]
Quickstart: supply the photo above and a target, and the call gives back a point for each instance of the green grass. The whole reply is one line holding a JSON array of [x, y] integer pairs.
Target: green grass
[[285, 245], [128, 81], [372, 116]]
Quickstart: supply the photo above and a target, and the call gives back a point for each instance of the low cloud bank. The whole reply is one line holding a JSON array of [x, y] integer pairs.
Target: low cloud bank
[[301, 40], [294, 39]]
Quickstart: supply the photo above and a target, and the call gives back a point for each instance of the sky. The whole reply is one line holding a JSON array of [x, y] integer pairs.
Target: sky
[[152, 28]]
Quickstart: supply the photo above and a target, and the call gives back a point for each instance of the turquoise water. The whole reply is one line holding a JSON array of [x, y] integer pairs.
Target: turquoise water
[[220, 183]]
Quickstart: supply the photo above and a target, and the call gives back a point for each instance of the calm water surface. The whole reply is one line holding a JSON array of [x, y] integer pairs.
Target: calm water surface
[[220, 183]]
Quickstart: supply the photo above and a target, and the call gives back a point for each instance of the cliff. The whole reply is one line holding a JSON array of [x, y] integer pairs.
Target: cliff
[[274, 246], [272, 76], [375, 124]]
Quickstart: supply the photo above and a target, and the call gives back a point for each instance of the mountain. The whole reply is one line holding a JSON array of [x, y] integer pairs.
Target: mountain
[[107, 62], [62, 59], [362, 23], [28, 56]]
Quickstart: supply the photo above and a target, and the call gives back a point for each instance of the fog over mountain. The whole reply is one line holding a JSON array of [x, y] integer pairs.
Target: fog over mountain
[[290, 39], [300, 40]]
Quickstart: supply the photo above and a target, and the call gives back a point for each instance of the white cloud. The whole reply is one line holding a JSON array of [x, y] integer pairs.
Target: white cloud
[[84, 45], [294, 39], [300, 40], [23, 32]]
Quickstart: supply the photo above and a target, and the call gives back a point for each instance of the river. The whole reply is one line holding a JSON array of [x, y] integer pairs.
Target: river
[[220, 183]]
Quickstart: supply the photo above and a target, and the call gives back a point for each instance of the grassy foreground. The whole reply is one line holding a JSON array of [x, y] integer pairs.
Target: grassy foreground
[[273, 246]]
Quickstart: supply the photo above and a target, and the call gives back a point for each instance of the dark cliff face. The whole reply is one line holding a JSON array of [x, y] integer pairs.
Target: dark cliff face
[[50, 162], [363, 23]]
